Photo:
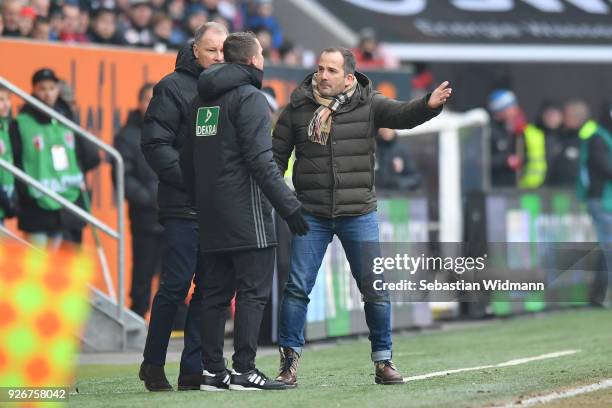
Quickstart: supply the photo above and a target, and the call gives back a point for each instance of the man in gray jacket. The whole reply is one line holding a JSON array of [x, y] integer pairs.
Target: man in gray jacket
[[331, 122]]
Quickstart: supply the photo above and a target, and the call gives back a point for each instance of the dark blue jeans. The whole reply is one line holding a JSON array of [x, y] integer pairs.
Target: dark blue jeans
[[307, 253], [179, 265]]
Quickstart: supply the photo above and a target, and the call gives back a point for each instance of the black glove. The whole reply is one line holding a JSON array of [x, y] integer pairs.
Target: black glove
[[297, 223]]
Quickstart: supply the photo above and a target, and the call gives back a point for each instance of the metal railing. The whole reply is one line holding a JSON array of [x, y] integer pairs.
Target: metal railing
[[119, 234]]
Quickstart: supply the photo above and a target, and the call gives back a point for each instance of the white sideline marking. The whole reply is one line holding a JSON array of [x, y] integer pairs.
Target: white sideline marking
[[505, 364], [558, 395]]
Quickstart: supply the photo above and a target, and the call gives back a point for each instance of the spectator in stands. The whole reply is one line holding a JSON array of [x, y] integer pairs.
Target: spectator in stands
[[138, 32], [195, 17], [55, 23], [11, 11], [71, 24], [394, 170], [42, 7], [264, 36], [176, 10], [263, 17], [507, 129], [42, 29], [1, 24], [141, 195], [422, 80], [567, 162], [26, 21], [103, 28], [162, 28], [541, 150], [369, 54], [595, 184], [289, 55], [549, 123], [219, 8], [8, 196], [84, 21], [48, 152]]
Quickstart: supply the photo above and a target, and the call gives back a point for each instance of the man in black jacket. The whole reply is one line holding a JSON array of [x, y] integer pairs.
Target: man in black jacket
[[331, 122], [162, 140], [141, 194], [229, 170]]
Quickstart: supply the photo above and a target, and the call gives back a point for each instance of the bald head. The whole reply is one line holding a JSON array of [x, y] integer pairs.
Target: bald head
[[576, 113]]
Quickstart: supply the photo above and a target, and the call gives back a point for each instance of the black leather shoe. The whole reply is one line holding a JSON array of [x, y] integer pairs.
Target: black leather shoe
[[189, 382], [154, 377]]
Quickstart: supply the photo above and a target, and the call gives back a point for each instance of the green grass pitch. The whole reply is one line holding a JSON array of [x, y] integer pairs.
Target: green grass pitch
[[342, 375]]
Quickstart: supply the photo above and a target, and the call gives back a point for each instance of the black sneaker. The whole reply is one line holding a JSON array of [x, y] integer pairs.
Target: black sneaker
[[215, 382], [254, 380]]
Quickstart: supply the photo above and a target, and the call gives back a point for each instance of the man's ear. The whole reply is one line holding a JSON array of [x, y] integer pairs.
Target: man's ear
[[194, 48], [349, 79]]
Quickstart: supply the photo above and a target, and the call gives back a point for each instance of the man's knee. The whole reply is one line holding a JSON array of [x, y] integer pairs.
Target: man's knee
[[296, 292], [174, 292]]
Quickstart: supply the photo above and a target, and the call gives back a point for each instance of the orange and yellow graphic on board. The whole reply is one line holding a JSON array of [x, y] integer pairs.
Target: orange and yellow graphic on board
[[43, 308]]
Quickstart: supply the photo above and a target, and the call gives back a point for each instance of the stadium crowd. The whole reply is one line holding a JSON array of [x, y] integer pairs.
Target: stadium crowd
[[158, 24]]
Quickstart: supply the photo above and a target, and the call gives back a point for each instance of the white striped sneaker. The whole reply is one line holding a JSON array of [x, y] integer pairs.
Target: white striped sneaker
[[215, 382], [254, 380]]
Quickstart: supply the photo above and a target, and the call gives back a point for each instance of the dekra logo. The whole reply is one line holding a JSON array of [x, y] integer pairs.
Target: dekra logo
[[207, 121]]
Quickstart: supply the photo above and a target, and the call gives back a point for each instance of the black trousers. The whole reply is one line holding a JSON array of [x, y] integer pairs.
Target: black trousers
[[179, 265], [146, 263], [248, 274]]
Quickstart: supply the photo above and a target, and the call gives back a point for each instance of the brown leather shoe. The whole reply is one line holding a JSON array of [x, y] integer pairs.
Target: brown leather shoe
[[387, 374], [288, 366], [154, 377]]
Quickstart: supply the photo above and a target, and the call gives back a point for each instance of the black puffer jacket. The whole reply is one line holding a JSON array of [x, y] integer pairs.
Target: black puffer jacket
[[228, 165], [140, 179], [162, 134], [338, 179]]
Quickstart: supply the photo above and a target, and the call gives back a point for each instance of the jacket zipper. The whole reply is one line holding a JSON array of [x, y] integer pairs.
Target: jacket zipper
[[333, 168]]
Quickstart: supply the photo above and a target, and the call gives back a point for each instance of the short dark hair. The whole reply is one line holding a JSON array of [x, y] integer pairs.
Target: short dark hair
[[347, 55], [240, 47], [144, 89], [208, 26]]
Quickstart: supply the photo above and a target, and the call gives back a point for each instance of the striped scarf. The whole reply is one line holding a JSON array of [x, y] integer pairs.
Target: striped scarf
[[320, 125]]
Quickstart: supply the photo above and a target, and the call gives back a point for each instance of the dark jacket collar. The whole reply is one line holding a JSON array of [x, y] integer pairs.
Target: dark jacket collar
[[186, 62], [222, 78]]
